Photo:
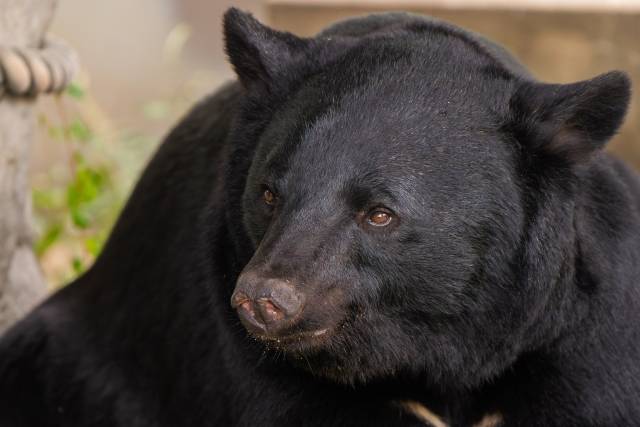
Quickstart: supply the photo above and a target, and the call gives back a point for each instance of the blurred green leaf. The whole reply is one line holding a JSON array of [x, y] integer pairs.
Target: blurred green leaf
[[93, 245], [50, 236], [77, 265], [79, 131], [80, 218], [46, 199], [86, 186], [75, 91]]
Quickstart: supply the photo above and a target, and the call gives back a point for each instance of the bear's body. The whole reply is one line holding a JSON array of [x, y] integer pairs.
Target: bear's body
[[505, 284]]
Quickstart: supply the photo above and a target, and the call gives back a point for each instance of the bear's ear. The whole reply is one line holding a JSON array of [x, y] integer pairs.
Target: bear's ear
[[572, 120], [258, 53]]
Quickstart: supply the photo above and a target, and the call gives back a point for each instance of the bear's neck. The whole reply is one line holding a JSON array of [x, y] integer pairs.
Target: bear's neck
[[589, 329]]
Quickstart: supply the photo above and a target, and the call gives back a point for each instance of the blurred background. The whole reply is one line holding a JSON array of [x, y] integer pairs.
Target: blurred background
[[145, 62]]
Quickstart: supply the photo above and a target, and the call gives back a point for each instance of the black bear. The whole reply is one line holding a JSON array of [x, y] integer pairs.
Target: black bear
[[389, 224]]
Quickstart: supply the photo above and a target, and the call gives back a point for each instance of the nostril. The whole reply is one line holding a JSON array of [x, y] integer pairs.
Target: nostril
[[248, 307], [238, 298], [287, 299], [251, 318], [269, 311]]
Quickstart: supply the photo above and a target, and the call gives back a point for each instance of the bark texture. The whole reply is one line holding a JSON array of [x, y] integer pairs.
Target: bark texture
[[23, 23]]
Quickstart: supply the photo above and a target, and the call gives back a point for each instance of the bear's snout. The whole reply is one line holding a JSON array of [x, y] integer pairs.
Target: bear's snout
[[266, 306]]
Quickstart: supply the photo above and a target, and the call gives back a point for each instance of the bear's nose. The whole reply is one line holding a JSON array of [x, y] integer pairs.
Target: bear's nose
[[266, 306]]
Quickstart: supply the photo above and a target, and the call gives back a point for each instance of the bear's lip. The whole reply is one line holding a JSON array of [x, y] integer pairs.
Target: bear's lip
[[299, 340]]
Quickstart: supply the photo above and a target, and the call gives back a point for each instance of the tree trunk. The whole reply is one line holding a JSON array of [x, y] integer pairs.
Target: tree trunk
[[23, 23]]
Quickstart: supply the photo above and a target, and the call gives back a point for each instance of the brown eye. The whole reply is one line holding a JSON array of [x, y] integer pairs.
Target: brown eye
[[269, 197], [379, 218]]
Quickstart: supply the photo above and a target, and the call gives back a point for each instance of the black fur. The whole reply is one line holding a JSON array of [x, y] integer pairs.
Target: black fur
[[506, 281]]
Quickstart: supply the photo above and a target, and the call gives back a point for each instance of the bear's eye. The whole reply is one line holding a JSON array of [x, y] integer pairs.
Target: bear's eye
[[269, 197], [379, 217]]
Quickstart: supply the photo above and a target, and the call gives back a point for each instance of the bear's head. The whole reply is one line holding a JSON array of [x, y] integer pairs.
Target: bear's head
[[406, 198]]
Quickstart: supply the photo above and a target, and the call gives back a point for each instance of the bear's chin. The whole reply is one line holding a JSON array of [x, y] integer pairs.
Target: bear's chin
[[323, 354], [337, 368], [328, 353], [328, 366], [328, 357]]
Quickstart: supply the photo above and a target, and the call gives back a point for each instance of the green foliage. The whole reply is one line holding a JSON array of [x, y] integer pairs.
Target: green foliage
[[78, 131], [95, 160], [75, 91], [78, 265], [48, 238], [75, 210]]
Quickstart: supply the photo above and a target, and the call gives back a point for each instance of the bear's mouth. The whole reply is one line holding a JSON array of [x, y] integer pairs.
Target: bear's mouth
[[300, 341], [318, 339], [311, 340]]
